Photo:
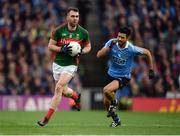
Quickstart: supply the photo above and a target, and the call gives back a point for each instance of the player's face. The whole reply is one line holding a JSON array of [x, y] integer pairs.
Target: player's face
[[73, 18], [122, 38]]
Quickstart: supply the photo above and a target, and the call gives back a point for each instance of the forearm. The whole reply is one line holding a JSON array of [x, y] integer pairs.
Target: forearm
[[102, 52], [86, 49], [150, 59], [53, 47], [151, 65]]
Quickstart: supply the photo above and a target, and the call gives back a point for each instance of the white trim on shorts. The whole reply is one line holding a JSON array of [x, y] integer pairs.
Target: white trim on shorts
[[58, 70]]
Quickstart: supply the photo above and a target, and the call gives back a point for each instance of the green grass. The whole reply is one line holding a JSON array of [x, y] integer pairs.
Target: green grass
[[89, 123]]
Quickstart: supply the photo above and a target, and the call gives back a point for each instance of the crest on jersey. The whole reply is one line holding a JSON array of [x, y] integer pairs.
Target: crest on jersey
[[77, 36], [70, 36], [63, 34]]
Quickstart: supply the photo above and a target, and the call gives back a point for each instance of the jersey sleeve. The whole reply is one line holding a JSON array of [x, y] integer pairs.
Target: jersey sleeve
[[137, 50], [86, 36], [108, 43]]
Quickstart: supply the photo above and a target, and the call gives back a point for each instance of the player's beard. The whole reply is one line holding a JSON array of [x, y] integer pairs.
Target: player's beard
[[122, 44], [73, 24]]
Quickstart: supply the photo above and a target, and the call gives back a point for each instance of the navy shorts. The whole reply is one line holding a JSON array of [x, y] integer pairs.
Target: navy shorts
[[123, 81]]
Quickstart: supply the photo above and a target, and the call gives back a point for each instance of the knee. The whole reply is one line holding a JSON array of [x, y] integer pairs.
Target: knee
[[59, 89], [106, 90]]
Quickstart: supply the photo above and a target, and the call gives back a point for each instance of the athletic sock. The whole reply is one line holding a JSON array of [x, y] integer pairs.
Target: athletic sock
[[49, 113], [114, 116], [114, 102]]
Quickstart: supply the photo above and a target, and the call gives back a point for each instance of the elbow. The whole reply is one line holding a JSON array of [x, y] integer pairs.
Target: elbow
[[147, 52], [98, 54], [102, 53], [89, 49], [49, 47], [86, 49]]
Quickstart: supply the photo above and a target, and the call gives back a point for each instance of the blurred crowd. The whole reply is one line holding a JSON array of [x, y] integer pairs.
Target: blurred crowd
[[156, 26], [25, 28]]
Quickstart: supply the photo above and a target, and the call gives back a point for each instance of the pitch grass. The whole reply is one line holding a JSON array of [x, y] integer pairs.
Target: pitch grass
[[89, 123]]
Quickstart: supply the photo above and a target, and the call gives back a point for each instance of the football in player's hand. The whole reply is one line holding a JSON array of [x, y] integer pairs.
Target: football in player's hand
[[76, 48]]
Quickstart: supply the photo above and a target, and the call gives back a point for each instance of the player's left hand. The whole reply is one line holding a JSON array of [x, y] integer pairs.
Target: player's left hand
[[151, 74]]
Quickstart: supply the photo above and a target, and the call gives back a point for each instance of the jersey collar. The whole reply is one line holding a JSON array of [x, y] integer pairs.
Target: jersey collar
[[126, 46]]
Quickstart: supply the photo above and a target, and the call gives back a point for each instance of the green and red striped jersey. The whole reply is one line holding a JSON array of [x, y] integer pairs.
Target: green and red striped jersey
[[63, 36]]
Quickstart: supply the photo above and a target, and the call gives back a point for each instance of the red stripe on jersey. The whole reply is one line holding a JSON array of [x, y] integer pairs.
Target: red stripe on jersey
[[63, 41]]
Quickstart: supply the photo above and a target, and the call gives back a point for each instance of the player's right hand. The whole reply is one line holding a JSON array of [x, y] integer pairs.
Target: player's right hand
[[151, 74], [114, 41], [66, 49]]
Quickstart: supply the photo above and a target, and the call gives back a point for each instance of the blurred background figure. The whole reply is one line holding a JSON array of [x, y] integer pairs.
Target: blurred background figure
[[84, 7]]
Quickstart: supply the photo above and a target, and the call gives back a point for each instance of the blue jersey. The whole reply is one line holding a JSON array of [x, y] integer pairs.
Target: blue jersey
[[121, 59]]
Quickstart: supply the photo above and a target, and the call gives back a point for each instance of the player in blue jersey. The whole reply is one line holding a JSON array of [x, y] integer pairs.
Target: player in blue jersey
[[121, 54]]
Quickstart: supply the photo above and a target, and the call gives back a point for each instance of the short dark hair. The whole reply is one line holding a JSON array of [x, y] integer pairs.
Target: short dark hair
[[72, 9], [126, 30]]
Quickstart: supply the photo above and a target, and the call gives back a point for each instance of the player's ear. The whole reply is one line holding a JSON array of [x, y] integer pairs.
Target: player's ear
[[67, 17], [129, 37]]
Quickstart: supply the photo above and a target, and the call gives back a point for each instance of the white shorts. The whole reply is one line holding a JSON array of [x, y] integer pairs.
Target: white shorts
[[58, 70]]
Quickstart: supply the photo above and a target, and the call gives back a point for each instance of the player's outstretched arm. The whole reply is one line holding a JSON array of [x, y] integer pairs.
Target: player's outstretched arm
[[150, 61], [102, 52]]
